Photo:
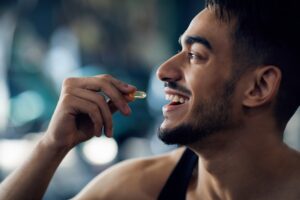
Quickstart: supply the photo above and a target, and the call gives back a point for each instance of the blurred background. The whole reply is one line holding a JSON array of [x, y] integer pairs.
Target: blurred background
[[43, 42]]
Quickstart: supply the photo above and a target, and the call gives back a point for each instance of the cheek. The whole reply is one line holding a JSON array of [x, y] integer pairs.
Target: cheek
[[204, 85]]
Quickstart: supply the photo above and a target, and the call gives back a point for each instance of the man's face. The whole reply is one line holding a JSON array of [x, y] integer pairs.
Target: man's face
[[199, 82]]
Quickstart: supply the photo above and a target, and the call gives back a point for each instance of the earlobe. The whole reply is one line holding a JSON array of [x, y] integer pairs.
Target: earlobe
[[263, 87]]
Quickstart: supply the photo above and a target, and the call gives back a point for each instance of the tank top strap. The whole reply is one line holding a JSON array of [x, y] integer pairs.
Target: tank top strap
[[177, 183]]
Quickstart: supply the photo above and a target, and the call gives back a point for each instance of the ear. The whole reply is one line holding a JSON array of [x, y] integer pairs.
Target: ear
[[263, 87]]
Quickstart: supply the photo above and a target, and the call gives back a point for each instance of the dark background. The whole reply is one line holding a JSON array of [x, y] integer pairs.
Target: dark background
[[43, 42]]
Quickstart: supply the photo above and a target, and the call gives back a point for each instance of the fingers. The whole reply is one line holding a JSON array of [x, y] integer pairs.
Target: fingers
[[99, 101], [112, 106], [86, 91], [124, 87], [97, 83], [117, 98], [77, 106], [115, 89]]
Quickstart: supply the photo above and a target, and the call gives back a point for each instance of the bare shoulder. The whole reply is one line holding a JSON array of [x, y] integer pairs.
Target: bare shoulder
[[288, 186], [141, 178]]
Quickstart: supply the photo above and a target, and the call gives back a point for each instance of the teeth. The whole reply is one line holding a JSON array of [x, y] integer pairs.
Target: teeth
[[181, 100], [175, 98]]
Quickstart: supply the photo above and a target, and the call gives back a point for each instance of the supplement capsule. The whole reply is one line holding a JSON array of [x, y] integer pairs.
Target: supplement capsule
[[139, 95]]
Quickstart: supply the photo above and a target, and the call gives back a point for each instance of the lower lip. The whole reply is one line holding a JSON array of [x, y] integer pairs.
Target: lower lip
[[169, 107]]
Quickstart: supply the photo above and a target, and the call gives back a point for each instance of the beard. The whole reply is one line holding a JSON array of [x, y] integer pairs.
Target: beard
[[209, 117]]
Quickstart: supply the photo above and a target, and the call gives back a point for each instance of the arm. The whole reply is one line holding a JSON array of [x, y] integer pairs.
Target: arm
[[81, 113], [30, 181]]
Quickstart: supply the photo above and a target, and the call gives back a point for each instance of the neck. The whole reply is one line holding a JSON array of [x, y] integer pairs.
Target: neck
[[233, 163]]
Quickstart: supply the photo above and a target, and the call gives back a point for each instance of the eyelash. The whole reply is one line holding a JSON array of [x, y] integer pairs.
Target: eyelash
[[192, 56]]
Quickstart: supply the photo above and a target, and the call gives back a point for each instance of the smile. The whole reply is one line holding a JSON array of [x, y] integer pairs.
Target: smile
[[176, 99]]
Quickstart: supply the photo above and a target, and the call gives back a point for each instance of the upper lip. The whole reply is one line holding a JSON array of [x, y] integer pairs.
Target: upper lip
[[176, 92]]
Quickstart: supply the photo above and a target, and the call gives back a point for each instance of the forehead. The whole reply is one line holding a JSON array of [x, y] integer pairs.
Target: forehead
[[218, 33]]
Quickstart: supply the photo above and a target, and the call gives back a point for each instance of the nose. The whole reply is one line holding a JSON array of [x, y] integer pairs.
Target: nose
[[170, 70]]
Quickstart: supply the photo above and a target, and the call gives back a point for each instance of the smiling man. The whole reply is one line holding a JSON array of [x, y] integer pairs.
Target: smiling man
[[232, 89]]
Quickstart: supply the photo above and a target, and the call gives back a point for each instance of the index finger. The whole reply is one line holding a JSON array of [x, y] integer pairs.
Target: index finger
[[96, 83]]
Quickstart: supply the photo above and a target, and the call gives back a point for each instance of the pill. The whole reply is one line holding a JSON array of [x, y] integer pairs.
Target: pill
[[139, 95]]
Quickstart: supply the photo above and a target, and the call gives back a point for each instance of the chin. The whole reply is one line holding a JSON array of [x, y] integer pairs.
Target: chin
[[169, 125], [190, 133], [182, 135]]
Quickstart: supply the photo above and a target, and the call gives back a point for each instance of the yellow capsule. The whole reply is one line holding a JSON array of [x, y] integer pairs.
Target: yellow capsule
[[139, 95]]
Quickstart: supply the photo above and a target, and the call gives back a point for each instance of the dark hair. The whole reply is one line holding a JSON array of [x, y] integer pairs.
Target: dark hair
[[267, 33]]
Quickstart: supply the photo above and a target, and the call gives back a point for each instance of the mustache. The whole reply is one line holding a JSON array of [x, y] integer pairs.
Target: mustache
[[178, 87]]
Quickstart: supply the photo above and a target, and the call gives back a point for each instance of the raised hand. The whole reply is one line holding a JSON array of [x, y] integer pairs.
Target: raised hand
[[82, 112]]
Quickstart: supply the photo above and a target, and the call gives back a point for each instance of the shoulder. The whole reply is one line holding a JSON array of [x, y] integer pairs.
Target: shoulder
[[141, 178]]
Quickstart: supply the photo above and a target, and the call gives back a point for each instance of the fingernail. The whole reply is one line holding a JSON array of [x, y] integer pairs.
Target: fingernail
[[98, 134], [132, 86], [131, 96], [127, 110]]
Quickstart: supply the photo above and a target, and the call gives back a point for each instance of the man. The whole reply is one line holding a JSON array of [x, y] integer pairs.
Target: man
[[232, 87]]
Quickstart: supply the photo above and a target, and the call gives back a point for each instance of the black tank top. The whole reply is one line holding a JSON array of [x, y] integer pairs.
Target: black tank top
[[177, 183]]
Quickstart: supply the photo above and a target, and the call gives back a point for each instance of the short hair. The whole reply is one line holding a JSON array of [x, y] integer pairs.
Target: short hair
[[267, 33]]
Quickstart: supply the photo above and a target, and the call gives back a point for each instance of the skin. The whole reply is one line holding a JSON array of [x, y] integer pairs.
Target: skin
[[247, 161]]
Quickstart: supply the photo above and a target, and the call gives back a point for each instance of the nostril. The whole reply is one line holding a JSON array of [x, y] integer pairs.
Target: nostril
[[168, 73], [166, 79]]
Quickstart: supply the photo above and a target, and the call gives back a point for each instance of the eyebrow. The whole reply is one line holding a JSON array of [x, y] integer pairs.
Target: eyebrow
[[195, 39]]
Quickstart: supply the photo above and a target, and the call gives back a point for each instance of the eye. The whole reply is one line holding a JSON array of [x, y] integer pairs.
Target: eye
[[195, 58], [192, 56]]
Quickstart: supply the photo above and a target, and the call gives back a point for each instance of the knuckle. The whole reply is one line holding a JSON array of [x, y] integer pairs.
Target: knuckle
[[68, 81], [120, 102], [106, 77], [119, 82], [67, 98], [93, 108], [100, 99], [106, 89], [67, 89]]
